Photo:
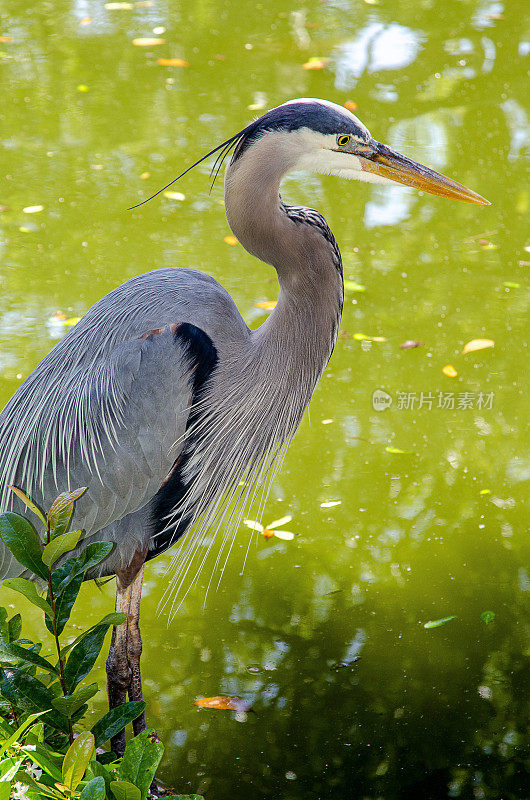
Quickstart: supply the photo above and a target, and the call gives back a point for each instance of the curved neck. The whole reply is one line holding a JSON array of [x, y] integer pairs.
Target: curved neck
[[302, 249]]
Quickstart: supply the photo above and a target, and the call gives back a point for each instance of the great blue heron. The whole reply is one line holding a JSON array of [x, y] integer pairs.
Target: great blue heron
[[162, 402]]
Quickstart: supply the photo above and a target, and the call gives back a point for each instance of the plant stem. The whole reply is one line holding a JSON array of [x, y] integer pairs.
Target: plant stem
[[58, 646]]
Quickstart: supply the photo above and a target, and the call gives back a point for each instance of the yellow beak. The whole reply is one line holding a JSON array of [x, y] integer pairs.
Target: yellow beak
[[381, 160]]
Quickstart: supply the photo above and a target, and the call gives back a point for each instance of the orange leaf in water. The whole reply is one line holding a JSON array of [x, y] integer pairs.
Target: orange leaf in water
[[147, 41], [172, 62], [351, 105], [450, 371], [5, 39], [316, 63], [268, 305], [221, 703], [85, 21], [231, 240], [477, 344]]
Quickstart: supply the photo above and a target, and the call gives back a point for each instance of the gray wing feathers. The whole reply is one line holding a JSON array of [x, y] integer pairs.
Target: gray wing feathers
[[110, 425]]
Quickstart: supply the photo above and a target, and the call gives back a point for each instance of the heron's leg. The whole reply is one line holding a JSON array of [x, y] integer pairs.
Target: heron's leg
[[123, 662], [134, 647]]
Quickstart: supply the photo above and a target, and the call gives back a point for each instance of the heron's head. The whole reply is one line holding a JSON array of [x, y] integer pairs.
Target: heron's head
[[319, 136]]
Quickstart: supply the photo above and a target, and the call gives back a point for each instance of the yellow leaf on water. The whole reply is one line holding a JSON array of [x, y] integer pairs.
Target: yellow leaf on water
[[351, 105], [450, 371], [221, 703], [32, 209], [231, 240], [172, 62], [316, 63], [147, 41], [477, 344], [85, 21], [268, 305], [5, 39]]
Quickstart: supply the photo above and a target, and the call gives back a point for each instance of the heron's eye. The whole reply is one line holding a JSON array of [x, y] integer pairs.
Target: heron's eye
[[343, 139]]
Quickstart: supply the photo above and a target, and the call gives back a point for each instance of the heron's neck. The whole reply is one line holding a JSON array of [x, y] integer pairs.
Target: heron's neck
[[298, 243]]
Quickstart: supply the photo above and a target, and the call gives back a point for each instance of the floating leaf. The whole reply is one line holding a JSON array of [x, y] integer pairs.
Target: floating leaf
[[316, 63], [61, 511], [77, 759], [29, 503], [477, 344], [267, 305], [20, 538], [450, 371], [487, 617], [175, 196], [221, 703], [147, 41], [59, 546], [353, 286], [82, 87], [410, 344], [6, 39], [511, 285], [435, 623], [32, 209], [362, 337], [172, 62], [398, 450], [330, 503], [29, 590], [485, 491], [115, 720], [351, 105], [231, 240], [140, 761]]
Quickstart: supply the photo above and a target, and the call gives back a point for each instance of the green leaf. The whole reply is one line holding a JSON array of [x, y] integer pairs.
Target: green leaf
[[14, 627], [83, 656], [487, 617], [435, 623], [71, 703], [4, 626], [64, 602], [17, 735], [5, 790], [12, 769], [29, 503], [114, 618], [10, 653], [115, 720], [61, 511], [94, 790], [59, 546], [30, 694], [29, 590], [41, 756], [77, 759], [140, 761], [20, 538], [67, 579], [123, 790]]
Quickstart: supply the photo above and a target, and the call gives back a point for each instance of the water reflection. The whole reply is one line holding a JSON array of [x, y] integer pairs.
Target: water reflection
[[375, 48]]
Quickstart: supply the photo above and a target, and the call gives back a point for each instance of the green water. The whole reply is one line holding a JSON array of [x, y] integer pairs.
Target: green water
[[324, 635]]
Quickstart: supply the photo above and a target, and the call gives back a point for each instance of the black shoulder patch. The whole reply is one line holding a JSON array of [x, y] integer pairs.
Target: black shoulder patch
[[203, 360]]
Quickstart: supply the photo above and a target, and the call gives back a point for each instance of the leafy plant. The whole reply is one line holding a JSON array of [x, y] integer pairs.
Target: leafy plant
[[46, 750]]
